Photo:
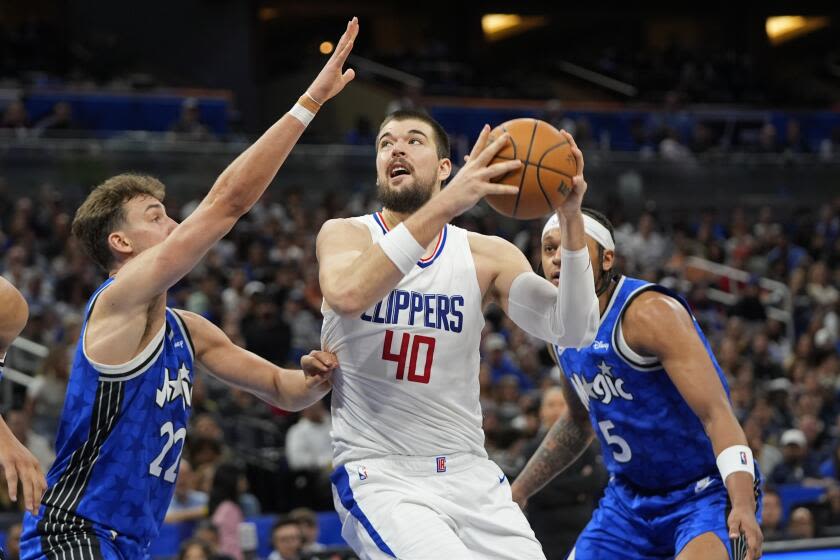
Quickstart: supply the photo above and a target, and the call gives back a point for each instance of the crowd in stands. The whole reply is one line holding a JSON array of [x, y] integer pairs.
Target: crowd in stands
[[260, 285]]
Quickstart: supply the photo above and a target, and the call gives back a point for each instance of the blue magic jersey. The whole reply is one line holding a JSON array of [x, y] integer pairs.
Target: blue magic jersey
[[649, 435], [120, 439]]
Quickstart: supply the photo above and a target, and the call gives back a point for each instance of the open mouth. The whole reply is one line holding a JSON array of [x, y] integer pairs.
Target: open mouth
[[398, 169]]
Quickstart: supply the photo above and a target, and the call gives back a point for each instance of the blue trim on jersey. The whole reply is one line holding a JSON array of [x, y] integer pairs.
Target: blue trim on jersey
[[341, 481], [379, 223], [422, 263]]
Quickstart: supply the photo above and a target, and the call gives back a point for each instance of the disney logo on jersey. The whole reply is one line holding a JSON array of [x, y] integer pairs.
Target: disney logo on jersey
[[172, 388], [604, 386], [600, 345]]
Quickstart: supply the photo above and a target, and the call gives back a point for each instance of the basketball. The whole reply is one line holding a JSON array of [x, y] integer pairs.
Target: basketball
[[545, 177]]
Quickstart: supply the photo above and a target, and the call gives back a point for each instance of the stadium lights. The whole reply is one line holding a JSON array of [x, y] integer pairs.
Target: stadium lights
[[501, 26], [784, 28], [326, 47]]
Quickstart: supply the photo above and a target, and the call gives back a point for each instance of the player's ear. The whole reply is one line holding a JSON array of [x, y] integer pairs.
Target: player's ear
[[119, 243], [444, 169], [608, 261]]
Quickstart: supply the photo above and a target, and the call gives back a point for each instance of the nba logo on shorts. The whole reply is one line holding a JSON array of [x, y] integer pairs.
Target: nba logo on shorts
[[743, 458], [362, 473], [441, 464]]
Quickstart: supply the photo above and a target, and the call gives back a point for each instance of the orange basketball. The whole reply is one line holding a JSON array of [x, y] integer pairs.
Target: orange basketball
[[545, 177]]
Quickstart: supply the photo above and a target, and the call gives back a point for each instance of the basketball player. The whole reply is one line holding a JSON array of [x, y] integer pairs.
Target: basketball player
[[19, 465], [403, 298], [129, 396], [658, 402]]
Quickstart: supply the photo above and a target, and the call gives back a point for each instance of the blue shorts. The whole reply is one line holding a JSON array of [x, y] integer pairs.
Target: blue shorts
[[76, 539], [631, 525]]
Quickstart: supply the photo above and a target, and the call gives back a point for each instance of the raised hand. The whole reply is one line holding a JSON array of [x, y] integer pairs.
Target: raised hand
[[474, 181], [332, 77], [574, 200]]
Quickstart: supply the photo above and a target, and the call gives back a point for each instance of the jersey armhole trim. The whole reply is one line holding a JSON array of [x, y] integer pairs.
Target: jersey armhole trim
[[623, 350], [132, 368], [185, 332]]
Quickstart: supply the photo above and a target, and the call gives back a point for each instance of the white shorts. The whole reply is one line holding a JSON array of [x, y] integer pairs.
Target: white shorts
[[437, 508]]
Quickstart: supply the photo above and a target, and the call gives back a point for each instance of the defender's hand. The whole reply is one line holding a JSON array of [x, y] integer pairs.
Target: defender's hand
[[318, 367], [574, 200], [331, 79], [20, 465], [742, 521], [473, 181]]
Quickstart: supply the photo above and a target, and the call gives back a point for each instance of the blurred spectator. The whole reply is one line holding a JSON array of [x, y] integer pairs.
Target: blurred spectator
[[797, 460], [45, 395], [560, 511], [189, 125], [308, 522], [646, 247], [207, 533], [15, 117], [308, 442], [188, 503], [224, 508], [286, 540], [13, 542], [501, 363], [830, 468], [304, 325], [39, 446], [266, 333], [59, 122], [195, 549], [771, 516], [828, 513], [801, 524]]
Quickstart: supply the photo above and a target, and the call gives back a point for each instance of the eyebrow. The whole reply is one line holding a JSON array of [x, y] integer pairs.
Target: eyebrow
[[153, 205], [412, 131]]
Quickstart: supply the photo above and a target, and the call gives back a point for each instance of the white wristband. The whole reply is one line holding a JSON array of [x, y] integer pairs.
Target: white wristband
[[737, 458], [302, 114], [401, 247]]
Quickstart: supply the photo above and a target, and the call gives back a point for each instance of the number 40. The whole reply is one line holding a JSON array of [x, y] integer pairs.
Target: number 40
[[403, 354]]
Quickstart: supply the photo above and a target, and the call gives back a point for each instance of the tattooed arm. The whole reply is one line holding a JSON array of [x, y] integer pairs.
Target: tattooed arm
[[562, 445]]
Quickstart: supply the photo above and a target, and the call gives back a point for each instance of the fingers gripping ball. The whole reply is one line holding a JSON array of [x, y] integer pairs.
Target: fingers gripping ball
[[545, 177]]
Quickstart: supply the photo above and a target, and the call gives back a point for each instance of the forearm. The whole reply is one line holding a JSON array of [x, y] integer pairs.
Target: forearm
[[566, 315], [724, 432], [244, 181], [563, 444], [295, 391], [572, 232]]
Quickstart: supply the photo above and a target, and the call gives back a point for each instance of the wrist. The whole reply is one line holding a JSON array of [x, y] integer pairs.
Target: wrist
[[305, 109]]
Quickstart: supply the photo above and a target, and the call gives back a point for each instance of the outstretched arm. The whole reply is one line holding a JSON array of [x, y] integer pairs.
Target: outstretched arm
[[562, 445], [233, 194], [658, 325], [355, 273], [17, 463], [290, 390], [567, 315]]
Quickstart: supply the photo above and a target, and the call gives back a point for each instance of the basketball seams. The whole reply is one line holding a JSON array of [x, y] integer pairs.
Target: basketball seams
[[525, 166]]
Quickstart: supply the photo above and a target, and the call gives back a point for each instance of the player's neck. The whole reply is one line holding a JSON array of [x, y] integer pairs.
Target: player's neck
[[393, 219], [604, 299]]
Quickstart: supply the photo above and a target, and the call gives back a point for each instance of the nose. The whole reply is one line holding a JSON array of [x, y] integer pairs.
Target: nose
[[555, 259], [398, 149]]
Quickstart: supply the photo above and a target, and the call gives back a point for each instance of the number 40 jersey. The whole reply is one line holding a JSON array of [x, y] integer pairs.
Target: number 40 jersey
[[407, 382], [120, 439]]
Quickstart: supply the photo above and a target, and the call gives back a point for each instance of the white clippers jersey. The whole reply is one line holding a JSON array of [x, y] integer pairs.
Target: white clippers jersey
[[407, 382]]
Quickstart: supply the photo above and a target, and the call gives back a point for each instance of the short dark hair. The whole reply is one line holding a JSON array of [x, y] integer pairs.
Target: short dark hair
[[103, 211], [284, 521], [441, 139]]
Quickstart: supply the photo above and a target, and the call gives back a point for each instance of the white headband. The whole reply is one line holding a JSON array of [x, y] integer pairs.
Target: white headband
[[591, 226]]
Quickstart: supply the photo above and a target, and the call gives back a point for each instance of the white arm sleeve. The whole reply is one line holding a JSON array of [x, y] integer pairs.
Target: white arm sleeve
[[568, 315]]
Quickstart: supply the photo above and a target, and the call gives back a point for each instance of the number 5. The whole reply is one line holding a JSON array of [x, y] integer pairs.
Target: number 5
[[626, 454]]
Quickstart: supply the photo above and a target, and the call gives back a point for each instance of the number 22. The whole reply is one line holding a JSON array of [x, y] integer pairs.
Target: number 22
[[173, 436]]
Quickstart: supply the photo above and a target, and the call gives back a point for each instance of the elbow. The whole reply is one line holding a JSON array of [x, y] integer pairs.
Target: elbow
[[346, 302], [578, 338]]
